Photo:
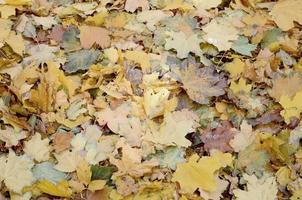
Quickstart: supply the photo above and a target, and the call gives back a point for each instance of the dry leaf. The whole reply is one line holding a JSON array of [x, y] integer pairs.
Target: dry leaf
[[61, 141], [92, 34], [284, 13]]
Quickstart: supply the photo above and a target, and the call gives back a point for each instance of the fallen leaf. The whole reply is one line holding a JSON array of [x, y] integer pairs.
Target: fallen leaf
[[92, 34], [60, 190], [61, 141], [201, 83], [262, 189], [222, 40], [183, 44], [139, 57], [81, 60], [38, 148], [175, 127], [284, 13], [219, 138], [132, 5], [16, 171], [201, 172]]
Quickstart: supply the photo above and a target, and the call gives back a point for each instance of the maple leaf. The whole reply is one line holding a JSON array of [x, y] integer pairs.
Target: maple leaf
[[151, 17], [81, 60], [291, 106], [16, 171], [235, 68], [240, 87], [41, 54], [170, 157], [262, 189], [243, 138], [219, 138], [120, 122], [139, 57], [67, 161], [284, 13], [37, 148], [132, 5], [201, 172], [16, 42], [43, 96], [155, 102], [11, 137], [175, 127], [92, 34], [242, 46], [131, 162], [222, 40], [183, 44], [288, 86], [204, 4], [201, 83]]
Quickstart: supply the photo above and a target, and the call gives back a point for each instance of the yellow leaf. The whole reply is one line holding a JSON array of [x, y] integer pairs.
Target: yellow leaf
[[177, 4], [235, 68], [241, 86], [201, 172], [292, 106], [139, 57], [284, 13], [43, 96], [7, 11], [67, 83], [97, 19], [72, 123], [16, 42], [154, 102], [5, 27], [214, 36], [61, 189], [96, 185], [83, 171], [18, 2], [284, 176]]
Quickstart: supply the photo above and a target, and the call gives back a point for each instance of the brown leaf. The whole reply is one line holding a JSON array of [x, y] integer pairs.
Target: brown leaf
[[61, 141], [219, 138], [202, 83], [92, 34]]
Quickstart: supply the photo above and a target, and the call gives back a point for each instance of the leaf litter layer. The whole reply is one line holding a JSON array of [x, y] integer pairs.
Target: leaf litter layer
[[150, 99]]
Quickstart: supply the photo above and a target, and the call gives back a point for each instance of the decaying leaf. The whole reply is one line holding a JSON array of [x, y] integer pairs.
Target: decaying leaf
[[219, 138], [81, 60]]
